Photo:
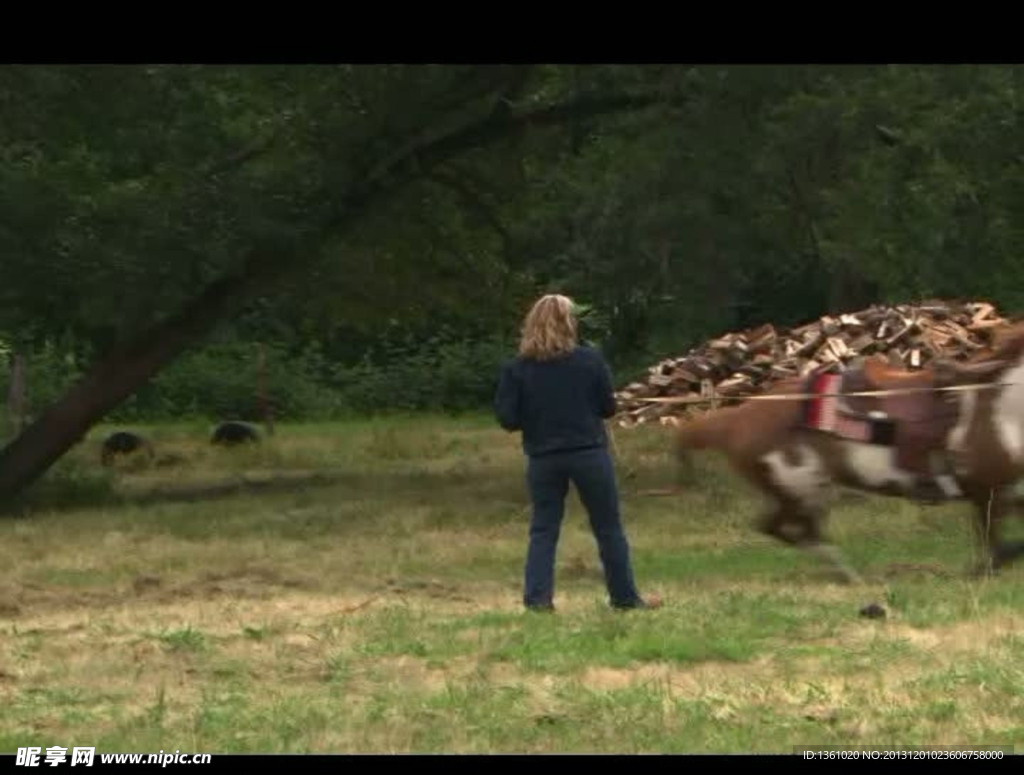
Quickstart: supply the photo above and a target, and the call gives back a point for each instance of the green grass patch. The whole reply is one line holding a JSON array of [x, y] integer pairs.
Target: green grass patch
[[356, 587]]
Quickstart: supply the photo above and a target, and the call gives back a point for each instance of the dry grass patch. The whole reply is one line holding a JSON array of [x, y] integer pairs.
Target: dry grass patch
[[381, 611]]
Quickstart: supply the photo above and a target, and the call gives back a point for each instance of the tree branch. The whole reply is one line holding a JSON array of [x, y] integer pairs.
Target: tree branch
[[403, 123], [425, 153], [472, 199], [518, 80], [240, 157]]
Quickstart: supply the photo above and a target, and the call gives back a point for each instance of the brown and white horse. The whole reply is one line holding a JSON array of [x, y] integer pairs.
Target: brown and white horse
[[771, 444]]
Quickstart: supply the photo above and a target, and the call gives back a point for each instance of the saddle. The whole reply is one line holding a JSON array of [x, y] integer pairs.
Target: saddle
[[914, 423]]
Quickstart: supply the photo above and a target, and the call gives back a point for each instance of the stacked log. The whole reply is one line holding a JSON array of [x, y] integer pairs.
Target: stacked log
[[729, 368]]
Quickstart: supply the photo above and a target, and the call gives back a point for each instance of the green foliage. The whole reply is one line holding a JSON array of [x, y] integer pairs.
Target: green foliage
[[50, 368], [752, 194], [444, 372], [223, 380]]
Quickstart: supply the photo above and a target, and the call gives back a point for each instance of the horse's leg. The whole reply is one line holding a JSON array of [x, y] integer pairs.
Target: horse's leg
[[983, 530], [796, 479], [774, 523], [829, 553], [807, 534], [989, 510], [1009, 551]]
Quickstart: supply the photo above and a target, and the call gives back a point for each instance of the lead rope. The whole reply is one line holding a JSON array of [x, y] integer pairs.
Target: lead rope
[[611, 437], [628, 472], [801, 396]]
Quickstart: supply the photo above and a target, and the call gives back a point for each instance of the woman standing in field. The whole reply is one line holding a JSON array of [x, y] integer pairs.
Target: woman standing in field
[[558, 393]]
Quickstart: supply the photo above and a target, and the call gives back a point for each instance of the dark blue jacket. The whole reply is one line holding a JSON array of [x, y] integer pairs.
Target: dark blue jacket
[[559, 405]]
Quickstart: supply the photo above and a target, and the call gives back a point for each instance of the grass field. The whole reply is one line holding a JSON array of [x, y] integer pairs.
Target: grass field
[[356, 587]]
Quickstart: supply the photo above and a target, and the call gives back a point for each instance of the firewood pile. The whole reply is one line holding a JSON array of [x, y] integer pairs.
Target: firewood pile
[[729, 368]]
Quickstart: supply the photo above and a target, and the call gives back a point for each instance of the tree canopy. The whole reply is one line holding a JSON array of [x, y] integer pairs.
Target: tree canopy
[[345, 209]]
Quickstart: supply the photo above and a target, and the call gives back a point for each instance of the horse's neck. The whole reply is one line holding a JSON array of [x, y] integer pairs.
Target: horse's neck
[[1003, 415], [1008, 409]]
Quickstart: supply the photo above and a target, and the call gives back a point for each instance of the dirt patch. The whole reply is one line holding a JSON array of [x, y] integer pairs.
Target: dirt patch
[[28, 599], [578, 568], [24, 600], [431, 589], [243, 582], [898, 569], [218, 617], [8, 606], [144, 491], [143, 583]]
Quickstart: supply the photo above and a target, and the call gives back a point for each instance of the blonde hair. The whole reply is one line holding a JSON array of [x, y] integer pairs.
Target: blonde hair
[[549, 329]]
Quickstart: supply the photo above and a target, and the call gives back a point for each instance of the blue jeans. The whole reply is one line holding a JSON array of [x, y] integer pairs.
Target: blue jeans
[[548, 477]]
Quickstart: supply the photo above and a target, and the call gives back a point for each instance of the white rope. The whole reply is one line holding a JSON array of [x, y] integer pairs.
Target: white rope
[[800, 396]]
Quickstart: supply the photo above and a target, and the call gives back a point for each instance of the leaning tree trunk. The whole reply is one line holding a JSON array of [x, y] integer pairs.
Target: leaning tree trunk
[[119, 375], [123, 372]]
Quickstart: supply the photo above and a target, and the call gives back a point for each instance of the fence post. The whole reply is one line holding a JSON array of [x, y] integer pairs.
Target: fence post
[[261, 369], [16, 394]]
